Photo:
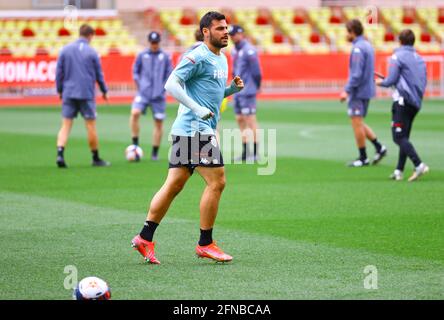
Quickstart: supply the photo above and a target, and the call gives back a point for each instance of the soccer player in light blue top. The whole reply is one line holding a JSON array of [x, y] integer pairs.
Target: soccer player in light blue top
[[199, 84]]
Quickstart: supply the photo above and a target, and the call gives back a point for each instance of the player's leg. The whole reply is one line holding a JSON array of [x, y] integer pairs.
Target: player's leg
[[137, 108], [357, 112], [209, 204], [88, 111], [359, 133], [174, 183], [176, 179], [135, 126], [159, 115], [397, 175], [242, 124], [62, 140], [93, 142], [69, 112], [157, 138], [403, 117], [211, 168], [408, 115], [381, 150], [253, 124]]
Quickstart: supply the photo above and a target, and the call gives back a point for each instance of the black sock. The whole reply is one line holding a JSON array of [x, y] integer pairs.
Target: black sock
[[377, 144], [362, 153], [255, 149], [60, 151], [148, 230], [95, 155], [206, 237], [155, 150], [136, 141], [244, 150]]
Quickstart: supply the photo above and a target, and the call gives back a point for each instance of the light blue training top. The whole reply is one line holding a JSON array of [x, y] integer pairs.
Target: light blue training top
[[204, 77]]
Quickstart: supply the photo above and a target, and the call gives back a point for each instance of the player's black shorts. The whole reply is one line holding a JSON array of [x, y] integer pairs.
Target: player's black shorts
[[402, 119], [200, 150]]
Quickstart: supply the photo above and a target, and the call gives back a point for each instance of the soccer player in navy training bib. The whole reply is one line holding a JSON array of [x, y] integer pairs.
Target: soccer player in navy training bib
[[150, 72], [246, 65], [408, 76], [78, 70], [360, 88], [199, 84]]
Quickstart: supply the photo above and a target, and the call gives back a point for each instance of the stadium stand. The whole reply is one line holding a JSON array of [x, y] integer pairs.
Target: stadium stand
[[275, 31], [316, 30], [29, 36]]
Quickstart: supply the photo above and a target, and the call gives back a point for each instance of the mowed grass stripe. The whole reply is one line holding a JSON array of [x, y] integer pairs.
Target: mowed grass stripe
[[319, 201], [96, 240]]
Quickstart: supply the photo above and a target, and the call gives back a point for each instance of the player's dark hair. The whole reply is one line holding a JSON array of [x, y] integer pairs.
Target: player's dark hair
[[86, 30], [208, 18], [198, 35], [407, 37], [355, 26]]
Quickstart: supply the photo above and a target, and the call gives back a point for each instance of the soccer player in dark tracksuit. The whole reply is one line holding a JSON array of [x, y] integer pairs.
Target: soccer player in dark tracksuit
[[360, 88], [150, 72], [407, 73], [246, 65], [78, 70]]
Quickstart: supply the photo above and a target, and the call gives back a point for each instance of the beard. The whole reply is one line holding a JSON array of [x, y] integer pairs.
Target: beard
[[217, 42]]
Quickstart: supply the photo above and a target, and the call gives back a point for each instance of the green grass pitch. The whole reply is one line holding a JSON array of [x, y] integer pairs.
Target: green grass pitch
[[305, 232]]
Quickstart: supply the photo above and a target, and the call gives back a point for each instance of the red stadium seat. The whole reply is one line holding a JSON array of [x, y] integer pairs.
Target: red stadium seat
[[28, 33], [186, 21], [278, 38], [441, 15], [409, 15], [63, 32], [41, 51], [100, 32], [298, 19], [408, 20], [5, 51], [335, 19], [426, 37], [188, 17], [315, 38], [389, 37], [262, 20]]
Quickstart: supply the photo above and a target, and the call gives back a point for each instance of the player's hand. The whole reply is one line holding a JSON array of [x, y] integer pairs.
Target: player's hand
[[343, 96], [378, 81], [61, 96], [205, 113], [105, 96], [238, 82]]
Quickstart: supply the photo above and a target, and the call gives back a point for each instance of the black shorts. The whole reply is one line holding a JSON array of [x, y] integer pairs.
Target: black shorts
[[200, 150], [402, 119]]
